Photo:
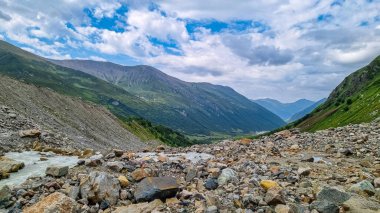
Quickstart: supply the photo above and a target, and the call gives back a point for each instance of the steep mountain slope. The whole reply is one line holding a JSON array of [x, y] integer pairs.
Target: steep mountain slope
[[80, 124], [284, 110], [191, 107], [355, 100], [306, 111]]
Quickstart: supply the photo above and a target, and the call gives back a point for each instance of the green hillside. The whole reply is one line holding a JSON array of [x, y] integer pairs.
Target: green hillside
[[355, 100], [33, 69]]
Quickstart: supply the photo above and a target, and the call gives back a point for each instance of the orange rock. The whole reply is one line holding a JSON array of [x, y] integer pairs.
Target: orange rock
[[56, 202], [245, 141]]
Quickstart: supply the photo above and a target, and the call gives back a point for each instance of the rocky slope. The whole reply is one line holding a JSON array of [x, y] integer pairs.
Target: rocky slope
[[329, 171], [60, 120], [193, 108]]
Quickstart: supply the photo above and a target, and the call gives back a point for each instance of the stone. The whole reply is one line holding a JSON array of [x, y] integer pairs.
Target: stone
[[5, 196], [358, 204], [118, 152], [212, 209], [8, 165], [172, 201], [333, 195], [274, 197], [162, 158], [267, 184], [294, 147], [123, 181], [94, 161], [29, 133], [141, 173], [191, 173], [324, 206], [116, 166], [72, 192], [304, 171], [346, 151], [226, 176], [363, 188], [57, 171], [100, 186], [211, 184], [139, 207], [280, 208], [245, 141], [152, 188], [56, 202], [376, 182]]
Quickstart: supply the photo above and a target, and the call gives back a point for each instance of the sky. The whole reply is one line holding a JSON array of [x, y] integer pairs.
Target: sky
[[281, 49]]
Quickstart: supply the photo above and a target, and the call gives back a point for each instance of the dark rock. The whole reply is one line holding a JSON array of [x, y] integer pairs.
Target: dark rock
[[211, 184], [57, 171], [324, 206], [333, 195], [152, 188]]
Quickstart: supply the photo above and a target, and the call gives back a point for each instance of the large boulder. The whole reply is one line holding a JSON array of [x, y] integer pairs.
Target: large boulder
[[54, 203], [29, 133], [226, 176], [333, 195], [57, 171], [8, 165], [152, 188], [99, 186], [358, 204]]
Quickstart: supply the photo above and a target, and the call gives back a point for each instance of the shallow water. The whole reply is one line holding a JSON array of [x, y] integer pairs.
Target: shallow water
[[33, 166], [194, 157]]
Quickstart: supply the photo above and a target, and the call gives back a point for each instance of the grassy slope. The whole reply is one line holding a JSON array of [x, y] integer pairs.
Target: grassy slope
[[355, 100], [32, 69]]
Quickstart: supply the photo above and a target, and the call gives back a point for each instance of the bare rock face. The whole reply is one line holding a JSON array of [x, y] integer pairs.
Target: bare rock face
[[54, 203], [156, 188], [99, 186]]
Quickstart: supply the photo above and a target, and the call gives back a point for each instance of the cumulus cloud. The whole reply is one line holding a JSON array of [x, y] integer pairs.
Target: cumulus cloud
[[301, 49]]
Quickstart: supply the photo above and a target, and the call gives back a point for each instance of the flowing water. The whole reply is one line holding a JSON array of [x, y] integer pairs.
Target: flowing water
[[34, 166]]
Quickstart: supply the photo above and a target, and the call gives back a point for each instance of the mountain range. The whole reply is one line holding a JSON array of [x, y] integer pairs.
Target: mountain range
[[142, 91], [286, 111], [355, 100]]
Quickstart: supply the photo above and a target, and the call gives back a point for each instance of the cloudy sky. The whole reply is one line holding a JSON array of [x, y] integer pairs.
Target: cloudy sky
[[282, 49]]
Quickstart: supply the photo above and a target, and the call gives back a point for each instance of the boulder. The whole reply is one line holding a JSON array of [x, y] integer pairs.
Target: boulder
[[8, 165], [100, 186], [211, 184], [29, 133], [152, 188], [324, 206], [267, 184], [95, 160], [56, 202], [123, 181], [363, 188], [358, 204], [304, 171], [141, 173], [274, 197], [116, 166], [57, 171], [5, 196], [226, 176], [139, 207], [333, 195]]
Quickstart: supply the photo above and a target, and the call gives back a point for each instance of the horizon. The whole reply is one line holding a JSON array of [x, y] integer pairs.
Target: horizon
[[303, 51]]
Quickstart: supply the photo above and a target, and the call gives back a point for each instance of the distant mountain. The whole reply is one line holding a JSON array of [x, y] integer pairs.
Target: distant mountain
[[284, 110], [190, 107], [355, 100], [306, 111]]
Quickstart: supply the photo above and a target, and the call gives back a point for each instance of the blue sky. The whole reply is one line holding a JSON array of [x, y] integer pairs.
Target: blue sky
[[282, 49]]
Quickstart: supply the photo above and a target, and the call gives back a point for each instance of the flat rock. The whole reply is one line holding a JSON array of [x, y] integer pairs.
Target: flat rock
[[358, 204], [152, 188], [56, 202], [57, 171]]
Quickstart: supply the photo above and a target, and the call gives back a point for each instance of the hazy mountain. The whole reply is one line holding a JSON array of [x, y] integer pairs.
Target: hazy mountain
[[355, 100], [284, 110], [306, 111], [145, 92], [191, 107]]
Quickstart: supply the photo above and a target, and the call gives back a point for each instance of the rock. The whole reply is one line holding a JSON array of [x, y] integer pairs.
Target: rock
[[123, 181], [57, 171], [324, 206], [95, 160], [226, 176], [211, 184], [118, 152], [191, 173], [274, 197], [358, 204], [294, 147], [87, 153], [304, 171], [8, 165], [333, 195], [267, 184], [72, 192], [100, 186], [363, 188], [376, 182], [162, 158], [212, 209], [156, 188], [29, 133], [56, 202], [280, 208], [116, 166], [346, 151], [172, 201], [245, 141], [140, 207], [5, 196], [141, 173]]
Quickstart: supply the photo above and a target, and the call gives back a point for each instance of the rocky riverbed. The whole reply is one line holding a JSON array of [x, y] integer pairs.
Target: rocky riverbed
[[335, 170]]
